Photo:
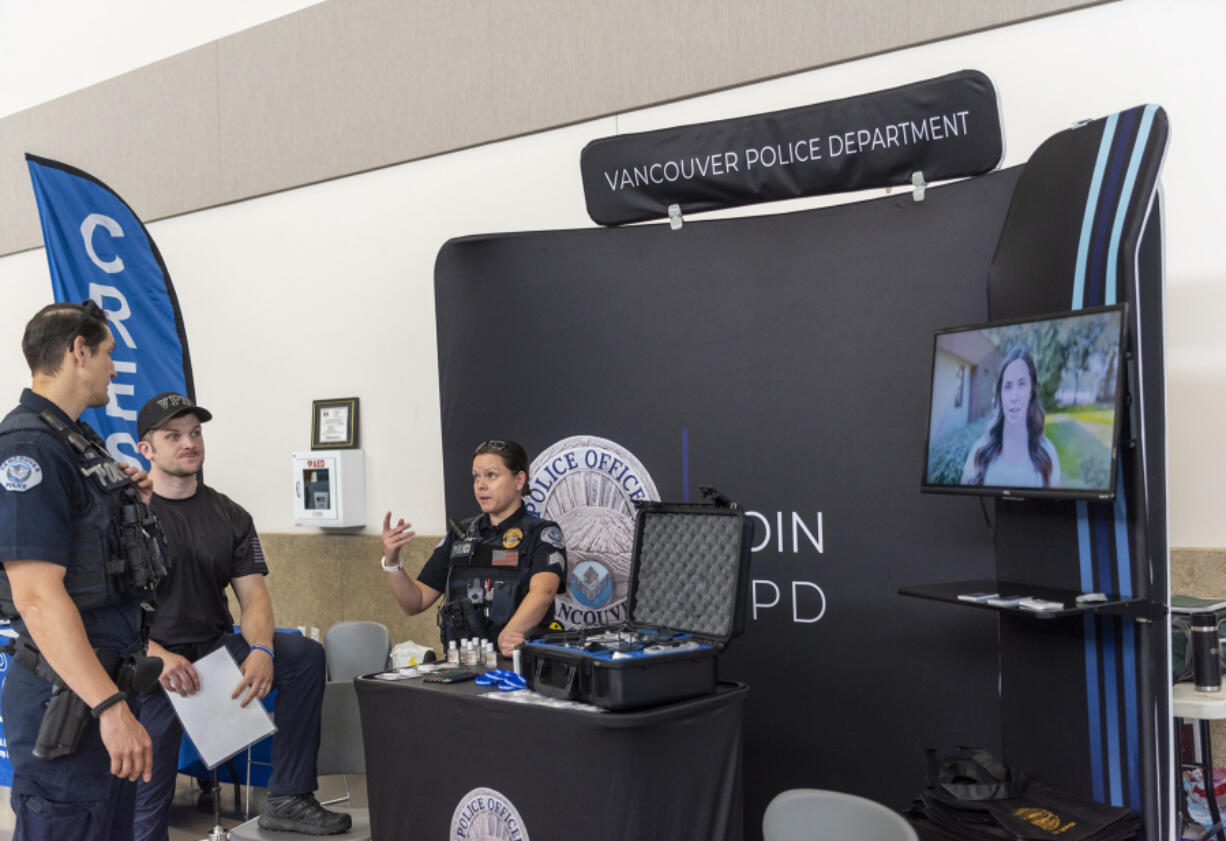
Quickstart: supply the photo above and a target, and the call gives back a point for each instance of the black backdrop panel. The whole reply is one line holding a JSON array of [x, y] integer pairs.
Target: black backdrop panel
[[786, 360]]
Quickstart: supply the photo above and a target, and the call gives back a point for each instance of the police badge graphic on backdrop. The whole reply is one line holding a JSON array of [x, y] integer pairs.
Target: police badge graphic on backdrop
[[486, 815], [589, 485]]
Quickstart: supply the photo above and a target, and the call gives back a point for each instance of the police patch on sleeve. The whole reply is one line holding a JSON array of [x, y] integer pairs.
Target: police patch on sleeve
[[553, 536], [20, 473]]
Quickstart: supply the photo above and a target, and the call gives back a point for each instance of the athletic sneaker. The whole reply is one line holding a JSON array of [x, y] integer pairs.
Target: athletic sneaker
[[301, 813]]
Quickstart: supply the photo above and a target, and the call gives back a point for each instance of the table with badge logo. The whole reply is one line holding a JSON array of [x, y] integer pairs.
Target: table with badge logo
[[443, 758], [635, 709]]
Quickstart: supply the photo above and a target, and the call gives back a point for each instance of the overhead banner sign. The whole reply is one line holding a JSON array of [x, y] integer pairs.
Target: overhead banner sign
[[948, 127], [97, 248]]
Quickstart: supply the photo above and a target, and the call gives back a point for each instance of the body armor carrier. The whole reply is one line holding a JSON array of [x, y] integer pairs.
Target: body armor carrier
[[480, 597], [118, 551]]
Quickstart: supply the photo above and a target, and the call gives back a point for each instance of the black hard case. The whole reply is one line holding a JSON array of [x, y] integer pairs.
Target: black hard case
[[689, 574]]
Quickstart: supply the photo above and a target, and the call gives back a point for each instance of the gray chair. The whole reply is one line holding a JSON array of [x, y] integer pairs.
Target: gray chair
[[810, 814], [340, 752], [356, 648]]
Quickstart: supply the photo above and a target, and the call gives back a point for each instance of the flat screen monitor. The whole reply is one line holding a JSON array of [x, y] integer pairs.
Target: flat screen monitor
[[1028, 407]]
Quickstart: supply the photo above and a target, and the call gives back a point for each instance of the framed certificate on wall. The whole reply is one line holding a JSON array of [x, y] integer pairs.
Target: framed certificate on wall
[[334, 424]]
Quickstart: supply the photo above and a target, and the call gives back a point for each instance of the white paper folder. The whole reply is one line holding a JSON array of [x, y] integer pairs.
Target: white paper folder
[[216, 723]]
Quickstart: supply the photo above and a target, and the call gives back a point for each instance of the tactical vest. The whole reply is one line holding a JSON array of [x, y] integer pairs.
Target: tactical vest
[[481, 597], [118, 549]]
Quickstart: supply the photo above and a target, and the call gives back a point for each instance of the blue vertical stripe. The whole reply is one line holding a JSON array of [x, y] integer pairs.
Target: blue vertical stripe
[[1110, 693], [1085, 555], [1121, 211], [1083, 547], [1091, 653], [1123, 560], [1130, 687], [1100, 527], [1092, 701], [1087, 220], [1109, 198], [1131, 705], [1129, 690]]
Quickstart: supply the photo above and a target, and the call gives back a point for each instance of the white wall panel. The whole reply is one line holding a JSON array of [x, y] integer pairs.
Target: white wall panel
[[356, 255]]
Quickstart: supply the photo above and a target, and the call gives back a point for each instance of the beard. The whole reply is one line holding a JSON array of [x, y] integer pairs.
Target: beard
[[180, 472], [174, 468]]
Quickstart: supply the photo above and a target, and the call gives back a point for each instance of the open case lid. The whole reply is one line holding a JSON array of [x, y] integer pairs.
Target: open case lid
[[690, 569]]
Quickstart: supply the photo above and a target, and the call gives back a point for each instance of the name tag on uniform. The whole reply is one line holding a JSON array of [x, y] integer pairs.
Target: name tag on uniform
[[462, 549], [505, 558]]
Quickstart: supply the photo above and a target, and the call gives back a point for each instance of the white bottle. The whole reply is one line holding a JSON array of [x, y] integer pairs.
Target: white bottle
[[453, 654]]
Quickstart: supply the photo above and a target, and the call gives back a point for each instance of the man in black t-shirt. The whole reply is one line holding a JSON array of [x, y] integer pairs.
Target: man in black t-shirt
[[212, 544]]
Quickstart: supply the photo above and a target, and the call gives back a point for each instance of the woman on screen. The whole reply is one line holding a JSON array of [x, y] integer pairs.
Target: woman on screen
[[1014, 452], [497, 572]]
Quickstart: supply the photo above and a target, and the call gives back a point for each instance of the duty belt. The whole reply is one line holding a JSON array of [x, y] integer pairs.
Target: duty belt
[[66, 714]]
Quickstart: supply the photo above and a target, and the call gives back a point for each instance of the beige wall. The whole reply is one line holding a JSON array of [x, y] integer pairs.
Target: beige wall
[[353, 85], [317, 580]]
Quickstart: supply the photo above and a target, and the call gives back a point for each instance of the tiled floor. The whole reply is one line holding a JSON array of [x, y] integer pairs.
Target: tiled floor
[[187, 823]]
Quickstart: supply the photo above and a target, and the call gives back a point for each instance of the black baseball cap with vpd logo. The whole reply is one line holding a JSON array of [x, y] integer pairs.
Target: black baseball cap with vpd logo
[[166, 406]]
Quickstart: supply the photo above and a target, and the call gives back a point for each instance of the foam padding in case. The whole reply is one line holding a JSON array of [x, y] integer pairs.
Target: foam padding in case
[[687, 572]]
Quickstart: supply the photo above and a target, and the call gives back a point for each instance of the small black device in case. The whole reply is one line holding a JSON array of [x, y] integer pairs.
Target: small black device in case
[[453, 676]]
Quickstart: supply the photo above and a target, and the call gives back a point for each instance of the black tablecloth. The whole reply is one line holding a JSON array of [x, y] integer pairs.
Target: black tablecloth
[[670, 772]]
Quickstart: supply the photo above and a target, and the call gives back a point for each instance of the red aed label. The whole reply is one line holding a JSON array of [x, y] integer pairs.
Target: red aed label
[[315, 462]]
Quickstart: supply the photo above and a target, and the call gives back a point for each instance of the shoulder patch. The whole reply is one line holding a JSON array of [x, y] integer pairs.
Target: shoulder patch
[[20, 473], [553, 536]]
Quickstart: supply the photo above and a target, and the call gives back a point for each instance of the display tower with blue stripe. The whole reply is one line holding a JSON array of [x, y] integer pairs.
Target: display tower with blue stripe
[[1085, 702]]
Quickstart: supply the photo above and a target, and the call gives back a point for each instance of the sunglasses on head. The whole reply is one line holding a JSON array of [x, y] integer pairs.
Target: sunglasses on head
[[492, 444], [89, 309]]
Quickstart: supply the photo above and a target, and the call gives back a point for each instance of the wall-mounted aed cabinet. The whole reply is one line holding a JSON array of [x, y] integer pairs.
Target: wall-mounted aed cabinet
[[329, 488]]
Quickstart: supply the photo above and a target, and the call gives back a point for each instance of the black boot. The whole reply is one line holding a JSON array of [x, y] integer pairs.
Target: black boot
[[301, 813]]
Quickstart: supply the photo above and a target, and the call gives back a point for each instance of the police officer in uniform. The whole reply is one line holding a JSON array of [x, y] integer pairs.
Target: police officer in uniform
[[81, 560], [499, 570]]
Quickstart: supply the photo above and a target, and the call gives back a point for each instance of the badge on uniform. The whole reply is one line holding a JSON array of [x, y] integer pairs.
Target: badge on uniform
[[511, 538], [553, 536], [20, 473], [505, 558]]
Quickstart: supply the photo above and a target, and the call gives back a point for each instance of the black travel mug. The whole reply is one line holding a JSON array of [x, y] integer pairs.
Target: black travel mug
[[1206, 668]]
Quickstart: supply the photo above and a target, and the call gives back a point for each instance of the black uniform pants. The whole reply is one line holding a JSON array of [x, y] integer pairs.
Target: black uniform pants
[[299, 675], [72, 797]]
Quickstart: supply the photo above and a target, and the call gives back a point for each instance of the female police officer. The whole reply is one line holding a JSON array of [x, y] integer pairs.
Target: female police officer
[[499, 570]]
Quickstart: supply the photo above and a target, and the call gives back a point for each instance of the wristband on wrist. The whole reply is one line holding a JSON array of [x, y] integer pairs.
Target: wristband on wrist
[[108, 703], [265, 649], [393, 567]]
